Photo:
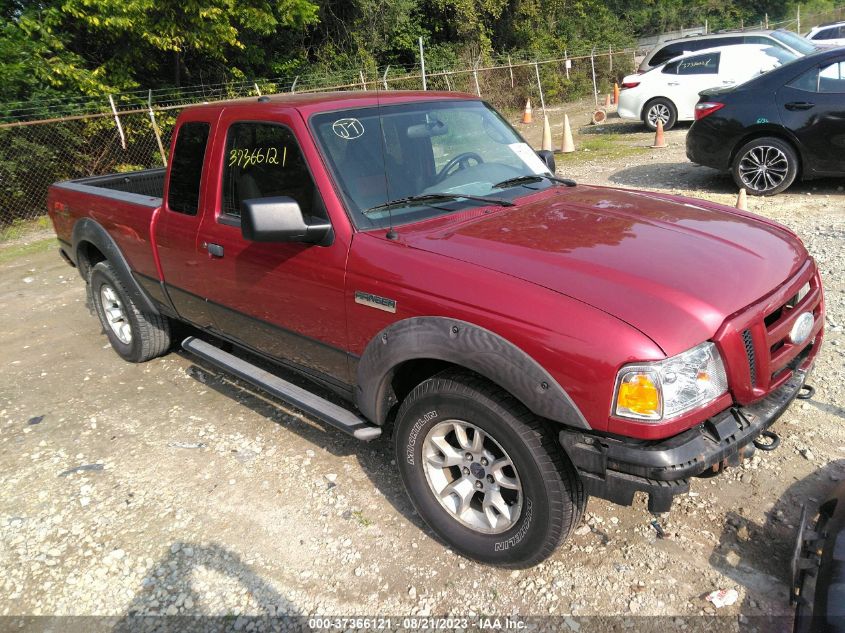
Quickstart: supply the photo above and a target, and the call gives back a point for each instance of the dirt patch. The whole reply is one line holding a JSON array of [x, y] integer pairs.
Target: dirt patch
[[167, 488]]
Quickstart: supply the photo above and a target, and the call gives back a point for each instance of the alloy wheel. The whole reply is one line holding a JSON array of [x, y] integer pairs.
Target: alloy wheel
[[115, 314], [763, 168], [472, 476]]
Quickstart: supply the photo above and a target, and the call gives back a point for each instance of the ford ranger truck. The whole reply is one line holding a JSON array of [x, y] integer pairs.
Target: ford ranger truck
[[525, 340]]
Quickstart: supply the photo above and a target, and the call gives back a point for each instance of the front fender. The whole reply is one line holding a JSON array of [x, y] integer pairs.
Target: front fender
[[465, 345]]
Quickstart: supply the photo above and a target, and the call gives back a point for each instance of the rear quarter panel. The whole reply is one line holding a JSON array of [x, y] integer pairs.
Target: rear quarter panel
[[129, 224]]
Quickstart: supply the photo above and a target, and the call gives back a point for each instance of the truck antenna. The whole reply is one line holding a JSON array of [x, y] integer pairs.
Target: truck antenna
[[391, 234]]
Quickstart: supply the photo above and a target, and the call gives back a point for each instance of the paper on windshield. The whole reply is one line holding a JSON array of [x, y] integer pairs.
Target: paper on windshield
[[529, 157]]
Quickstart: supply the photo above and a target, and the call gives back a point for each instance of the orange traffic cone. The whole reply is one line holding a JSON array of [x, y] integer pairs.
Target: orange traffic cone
[[606, 101], [567, 145], [526, 114], [741, 200], [615, 93], [547, 134], [659, 139]]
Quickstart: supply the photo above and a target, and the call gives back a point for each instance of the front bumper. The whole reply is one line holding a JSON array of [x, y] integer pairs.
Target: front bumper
[[615, 468]]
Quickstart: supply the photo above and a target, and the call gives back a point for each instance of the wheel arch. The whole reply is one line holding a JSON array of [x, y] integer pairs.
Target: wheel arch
[[92, 244], [409, 351], [780, 133]]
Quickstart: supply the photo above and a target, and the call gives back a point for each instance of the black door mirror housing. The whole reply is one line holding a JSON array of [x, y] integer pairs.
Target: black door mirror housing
[[548, 159], [280, 219]]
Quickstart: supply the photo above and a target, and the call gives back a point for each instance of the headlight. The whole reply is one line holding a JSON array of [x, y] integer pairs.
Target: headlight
[[665, 389]]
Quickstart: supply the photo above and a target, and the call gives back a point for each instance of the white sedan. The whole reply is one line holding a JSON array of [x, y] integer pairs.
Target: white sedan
[[669, 92]]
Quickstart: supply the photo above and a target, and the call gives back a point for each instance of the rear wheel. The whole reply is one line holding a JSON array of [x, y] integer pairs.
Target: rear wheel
[[765, 166], [136, 336], [484, 473], [660, 110]]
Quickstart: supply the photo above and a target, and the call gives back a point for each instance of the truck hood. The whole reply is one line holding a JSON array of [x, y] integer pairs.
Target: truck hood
[[668, 266]]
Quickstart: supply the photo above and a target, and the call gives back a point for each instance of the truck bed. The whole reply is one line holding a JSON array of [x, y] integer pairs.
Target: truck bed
[[145, 187]]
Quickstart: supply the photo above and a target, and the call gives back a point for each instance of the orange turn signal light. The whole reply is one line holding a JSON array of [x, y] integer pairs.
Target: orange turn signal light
[[639, 394]]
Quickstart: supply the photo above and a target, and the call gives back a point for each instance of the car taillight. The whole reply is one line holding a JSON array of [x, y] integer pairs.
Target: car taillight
[[630, 84], [706, 108]]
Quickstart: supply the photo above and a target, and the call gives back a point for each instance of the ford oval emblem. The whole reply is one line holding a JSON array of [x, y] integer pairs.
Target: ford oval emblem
[[801, 328]]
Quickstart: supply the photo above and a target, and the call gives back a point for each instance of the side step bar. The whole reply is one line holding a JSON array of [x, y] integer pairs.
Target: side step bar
[[325, 411]]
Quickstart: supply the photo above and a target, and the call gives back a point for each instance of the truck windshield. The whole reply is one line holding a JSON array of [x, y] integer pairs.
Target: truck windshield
[[401, 152]]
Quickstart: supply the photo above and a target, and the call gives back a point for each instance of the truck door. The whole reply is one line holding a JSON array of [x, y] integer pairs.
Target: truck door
[[178, 222], [282, 299], [813, 107]]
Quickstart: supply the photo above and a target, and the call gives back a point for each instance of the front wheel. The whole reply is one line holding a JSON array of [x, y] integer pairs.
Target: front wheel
[[765, 166], [483, 472], [660, 110]]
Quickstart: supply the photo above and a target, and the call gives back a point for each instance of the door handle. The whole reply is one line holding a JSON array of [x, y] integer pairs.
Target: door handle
[[729, 83], [672, 83], [214, 250], [799, 105]]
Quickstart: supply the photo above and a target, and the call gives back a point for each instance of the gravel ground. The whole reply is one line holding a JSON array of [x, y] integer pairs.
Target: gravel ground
[[165, 488]]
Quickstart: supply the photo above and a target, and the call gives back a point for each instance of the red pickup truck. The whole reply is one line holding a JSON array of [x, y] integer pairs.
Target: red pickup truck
[[528, 341]]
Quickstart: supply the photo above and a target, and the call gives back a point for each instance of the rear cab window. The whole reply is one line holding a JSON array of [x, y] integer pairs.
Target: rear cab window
[[264, 160], [186, 167]]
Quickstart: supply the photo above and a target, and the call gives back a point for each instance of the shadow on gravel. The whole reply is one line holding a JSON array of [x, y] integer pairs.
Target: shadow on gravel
[[674, 176], [178, 575], [615, 125], [758, 557], [375, 457]]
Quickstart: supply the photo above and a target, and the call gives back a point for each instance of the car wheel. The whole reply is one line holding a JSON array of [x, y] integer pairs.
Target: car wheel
[[660, 110], [484, 473], [765, 166], [134, 335]]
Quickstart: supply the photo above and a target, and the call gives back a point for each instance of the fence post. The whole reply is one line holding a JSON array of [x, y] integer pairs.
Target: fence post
[[363, 83], [767, 20], [610, 58], [117, 122], [540, 87], [475, 76], [384, 77], [706, 27], [448, 83], [593, 66], [510, 68], [293, 85], [422, 64], [566, 63], [798, 19]]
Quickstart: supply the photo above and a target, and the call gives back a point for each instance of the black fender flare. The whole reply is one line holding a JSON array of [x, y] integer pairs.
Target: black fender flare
[[88, 230], [465, 345]]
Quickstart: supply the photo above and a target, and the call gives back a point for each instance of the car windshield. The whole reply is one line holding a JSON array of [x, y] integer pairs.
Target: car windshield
[[403, 153], [794, 41]]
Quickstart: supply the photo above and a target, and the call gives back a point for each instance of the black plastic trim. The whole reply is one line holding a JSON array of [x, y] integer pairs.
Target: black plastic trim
[[614, 467], [466, 345], [328, 412], [88, 230]]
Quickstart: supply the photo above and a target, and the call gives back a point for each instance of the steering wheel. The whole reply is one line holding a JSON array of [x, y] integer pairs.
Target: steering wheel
[[461, 160]]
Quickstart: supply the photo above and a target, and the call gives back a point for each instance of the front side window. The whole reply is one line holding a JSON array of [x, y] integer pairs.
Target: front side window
[[263, 160], [831, 33], [449, 147], [700, 65], [186, 167]]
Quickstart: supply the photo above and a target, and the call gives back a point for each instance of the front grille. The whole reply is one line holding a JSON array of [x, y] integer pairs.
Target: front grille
[[749, 353], [756, 345]]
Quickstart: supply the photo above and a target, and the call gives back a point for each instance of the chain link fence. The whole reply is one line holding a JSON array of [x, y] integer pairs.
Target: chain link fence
[[36, 153]]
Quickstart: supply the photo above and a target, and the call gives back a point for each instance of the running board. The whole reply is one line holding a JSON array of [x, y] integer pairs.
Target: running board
[[325, 411]]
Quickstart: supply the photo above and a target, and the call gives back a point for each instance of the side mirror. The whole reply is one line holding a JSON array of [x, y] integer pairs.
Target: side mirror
[[548, 159], [280, 220]]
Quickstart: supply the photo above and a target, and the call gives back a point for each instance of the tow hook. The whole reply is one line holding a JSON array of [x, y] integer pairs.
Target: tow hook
[[806, 392], [772, 444]]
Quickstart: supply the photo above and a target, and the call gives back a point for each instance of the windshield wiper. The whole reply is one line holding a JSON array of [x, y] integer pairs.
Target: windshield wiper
[[522, 180], [431, 197]]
